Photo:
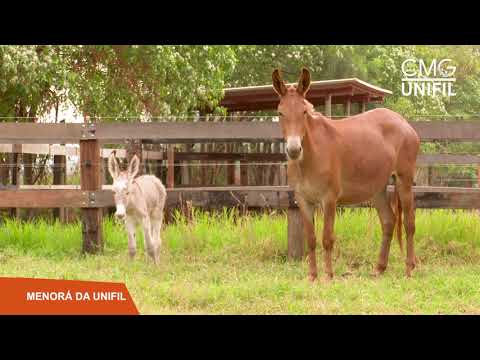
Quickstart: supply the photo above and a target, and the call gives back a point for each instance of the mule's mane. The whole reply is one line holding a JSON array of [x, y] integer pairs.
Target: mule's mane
[[309, 105]]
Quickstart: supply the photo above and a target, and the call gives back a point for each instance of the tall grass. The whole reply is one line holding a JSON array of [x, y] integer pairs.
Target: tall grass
[[221, 262], [439, 233]]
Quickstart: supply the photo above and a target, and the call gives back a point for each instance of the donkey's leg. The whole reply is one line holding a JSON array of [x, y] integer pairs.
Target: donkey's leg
[[387, 219], [148, 241], [130, 225], [157, 223], [156, 239], [328, 239], [307, 211], [405, 193]]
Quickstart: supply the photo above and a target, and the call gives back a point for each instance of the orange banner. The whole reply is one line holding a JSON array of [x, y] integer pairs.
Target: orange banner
[[23, 296]]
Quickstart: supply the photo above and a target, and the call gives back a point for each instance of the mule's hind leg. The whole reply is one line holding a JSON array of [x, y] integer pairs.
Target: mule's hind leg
[[328, 236], [405, 192], [387, 219]]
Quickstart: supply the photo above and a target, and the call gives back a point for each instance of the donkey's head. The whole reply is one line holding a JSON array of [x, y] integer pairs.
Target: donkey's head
[[292, 110], [122, 182]]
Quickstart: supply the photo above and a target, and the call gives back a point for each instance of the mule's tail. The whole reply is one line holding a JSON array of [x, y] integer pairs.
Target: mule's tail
[[397, 209]]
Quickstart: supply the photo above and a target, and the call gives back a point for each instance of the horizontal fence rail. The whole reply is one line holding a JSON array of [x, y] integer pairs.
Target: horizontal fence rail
[[275, 197], [198, 132], [42, 149]]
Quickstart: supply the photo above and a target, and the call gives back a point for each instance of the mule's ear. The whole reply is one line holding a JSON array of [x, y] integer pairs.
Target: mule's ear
[[304, 82], [278, 83], [113, 167], [133, 167]]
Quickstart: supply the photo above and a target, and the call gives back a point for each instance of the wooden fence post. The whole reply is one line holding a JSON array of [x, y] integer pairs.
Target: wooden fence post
[[237, 174], [170, 167], [170, 178], [296, 239], [15, 156], [185, 169], [231, 165], [90, 180], [243, 173], [59, 178], [296, 242]]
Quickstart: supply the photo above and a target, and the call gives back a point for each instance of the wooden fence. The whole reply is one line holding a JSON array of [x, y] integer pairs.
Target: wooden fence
[[91, 196]]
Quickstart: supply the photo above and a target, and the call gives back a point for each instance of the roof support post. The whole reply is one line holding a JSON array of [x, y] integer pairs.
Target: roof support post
[[328, 105]]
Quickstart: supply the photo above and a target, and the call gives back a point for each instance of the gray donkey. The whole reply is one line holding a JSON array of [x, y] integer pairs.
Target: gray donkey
[[138, 200]]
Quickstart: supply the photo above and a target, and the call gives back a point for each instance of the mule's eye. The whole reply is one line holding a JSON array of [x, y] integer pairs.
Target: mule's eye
[[280, 114]]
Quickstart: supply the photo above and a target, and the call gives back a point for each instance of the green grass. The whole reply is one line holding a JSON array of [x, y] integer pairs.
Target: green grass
[[226, 264]]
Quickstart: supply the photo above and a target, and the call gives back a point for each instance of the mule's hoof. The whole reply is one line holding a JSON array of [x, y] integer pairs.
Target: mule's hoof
[[378, 271], [312, 278], [408, 273], [410, 266], [327, 278]]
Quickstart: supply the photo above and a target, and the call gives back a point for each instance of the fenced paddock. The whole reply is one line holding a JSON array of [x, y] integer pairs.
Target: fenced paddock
[[91, 196]]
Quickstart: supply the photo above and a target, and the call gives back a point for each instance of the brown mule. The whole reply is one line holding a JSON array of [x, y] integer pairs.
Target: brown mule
[[340, 162]]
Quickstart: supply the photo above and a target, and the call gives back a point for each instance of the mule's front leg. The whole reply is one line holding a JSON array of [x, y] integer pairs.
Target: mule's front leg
[[132, 241], [307, 210], [328, 238]]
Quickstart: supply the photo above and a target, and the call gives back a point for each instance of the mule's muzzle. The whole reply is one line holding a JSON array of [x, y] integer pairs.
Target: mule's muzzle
[[294, 152]]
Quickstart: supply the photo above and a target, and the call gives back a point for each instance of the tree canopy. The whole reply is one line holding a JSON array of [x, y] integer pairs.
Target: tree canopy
[[121, 81]]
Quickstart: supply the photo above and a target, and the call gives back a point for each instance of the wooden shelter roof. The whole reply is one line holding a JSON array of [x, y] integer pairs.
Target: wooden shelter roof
[[257, 98]]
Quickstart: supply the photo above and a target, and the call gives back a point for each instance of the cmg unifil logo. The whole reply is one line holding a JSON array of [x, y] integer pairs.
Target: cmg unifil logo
[[433, 80]]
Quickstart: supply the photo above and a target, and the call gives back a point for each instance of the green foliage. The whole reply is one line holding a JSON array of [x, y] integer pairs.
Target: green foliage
[[119, 81], [376, 64], [106, 81], [29, 79], [126, 81]]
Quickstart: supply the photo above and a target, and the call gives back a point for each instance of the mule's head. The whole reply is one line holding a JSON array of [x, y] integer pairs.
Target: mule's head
[[292, 111], [122, 182]]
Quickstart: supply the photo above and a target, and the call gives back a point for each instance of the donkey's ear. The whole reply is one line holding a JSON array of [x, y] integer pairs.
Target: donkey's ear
[[133, 167], [303, 82], [278, 83], [113, 167]]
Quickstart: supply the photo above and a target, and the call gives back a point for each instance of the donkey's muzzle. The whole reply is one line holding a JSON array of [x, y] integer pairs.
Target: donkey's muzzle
[[120, 216]]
